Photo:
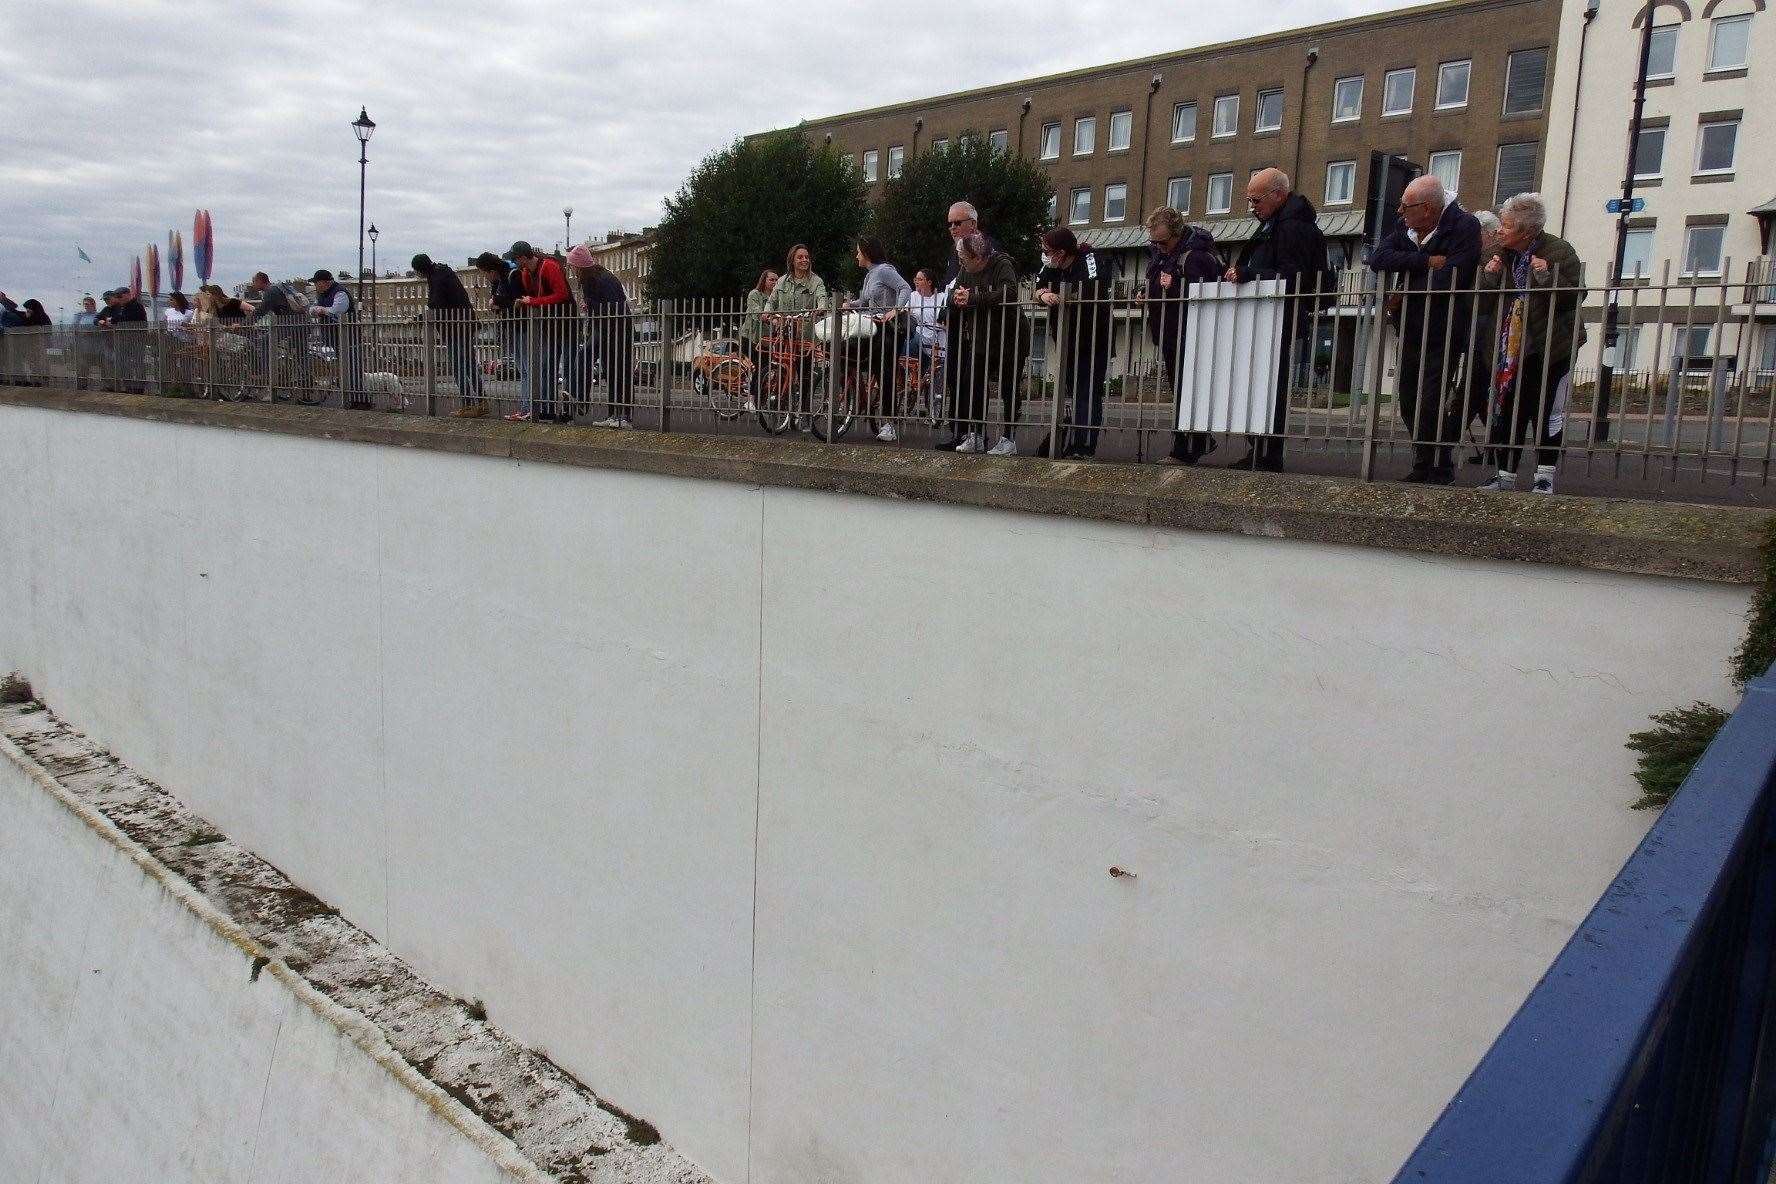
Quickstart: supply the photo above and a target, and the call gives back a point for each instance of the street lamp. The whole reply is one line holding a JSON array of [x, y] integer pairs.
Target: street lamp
[[567, 212], [361, 128], [372, 232]]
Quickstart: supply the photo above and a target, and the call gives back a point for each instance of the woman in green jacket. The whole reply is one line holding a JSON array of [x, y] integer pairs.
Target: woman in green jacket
[[798, 298]]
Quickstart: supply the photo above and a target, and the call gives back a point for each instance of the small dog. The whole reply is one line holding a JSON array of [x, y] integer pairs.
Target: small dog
[[382, 383]]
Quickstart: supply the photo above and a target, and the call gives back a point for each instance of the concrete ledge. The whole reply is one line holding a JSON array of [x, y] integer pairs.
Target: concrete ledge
[[1717, 543]]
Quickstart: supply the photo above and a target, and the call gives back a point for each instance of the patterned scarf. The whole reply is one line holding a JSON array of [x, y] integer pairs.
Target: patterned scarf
[[1511, 332]]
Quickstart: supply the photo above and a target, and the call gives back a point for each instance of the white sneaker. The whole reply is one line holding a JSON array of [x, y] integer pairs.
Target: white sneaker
[[751, 407], [1502, 483], [610, 421], [1542, 485], [887, 435], [623, 422], [972, 442], [1006, 447]]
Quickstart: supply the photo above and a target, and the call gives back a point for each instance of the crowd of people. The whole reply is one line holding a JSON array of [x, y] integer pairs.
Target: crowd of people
[[566, 327]]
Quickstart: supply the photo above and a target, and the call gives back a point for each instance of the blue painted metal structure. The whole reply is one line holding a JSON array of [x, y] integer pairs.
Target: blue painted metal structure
[[1648, 1050]]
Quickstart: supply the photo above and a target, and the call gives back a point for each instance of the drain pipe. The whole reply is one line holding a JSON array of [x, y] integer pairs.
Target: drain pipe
[[1572, 139], [1313, 55], [1141, 206]]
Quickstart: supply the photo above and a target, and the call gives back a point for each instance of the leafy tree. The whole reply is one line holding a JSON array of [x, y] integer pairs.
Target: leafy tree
[[741, 210], [1009, 190]]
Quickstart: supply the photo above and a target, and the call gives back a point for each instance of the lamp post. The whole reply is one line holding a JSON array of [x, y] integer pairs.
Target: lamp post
[[361, 128], [372, 232], [567, 213]]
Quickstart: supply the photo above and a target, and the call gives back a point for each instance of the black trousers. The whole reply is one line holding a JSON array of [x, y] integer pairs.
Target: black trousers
[[1186, 446], [1531, 400], [1433, 411], [1084, 377]]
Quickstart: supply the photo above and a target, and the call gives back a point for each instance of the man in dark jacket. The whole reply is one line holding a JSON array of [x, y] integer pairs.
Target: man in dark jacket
[[1076, 272], [271, 303], [128, 342], [1289, 247], [1432, 257], [336, 313], [503, 292], [453, 319], [1177, 256], [608, 344], [963, 220]]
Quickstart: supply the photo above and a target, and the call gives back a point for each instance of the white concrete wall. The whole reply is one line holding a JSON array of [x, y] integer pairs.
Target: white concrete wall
[[135, 1043], [551, 732]]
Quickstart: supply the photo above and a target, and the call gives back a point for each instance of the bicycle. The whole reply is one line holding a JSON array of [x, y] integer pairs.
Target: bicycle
[[782, 389]]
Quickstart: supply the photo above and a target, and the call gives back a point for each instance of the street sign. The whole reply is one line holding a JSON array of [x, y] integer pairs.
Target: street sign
[[1615, 205]]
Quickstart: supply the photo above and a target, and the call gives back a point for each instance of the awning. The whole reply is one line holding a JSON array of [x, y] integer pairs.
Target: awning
[[1767, 210], [1338, 224]]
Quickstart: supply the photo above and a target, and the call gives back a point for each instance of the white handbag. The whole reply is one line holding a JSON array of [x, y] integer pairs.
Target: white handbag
[[853, 326]]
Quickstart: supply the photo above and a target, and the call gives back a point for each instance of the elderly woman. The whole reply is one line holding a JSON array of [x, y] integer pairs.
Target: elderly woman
[[884, 291], [1537, 278], [1177, 256], [987, 336]]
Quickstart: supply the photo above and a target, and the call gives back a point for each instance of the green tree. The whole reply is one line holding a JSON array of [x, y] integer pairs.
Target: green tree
[[1011, 193], [741, 210]]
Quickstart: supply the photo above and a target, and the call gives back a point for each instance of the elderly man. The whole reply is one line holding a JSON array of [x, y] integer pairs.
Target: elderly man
[[336, 313], [1432, 257], [1289, 247], [1539, 279], [963, 220]]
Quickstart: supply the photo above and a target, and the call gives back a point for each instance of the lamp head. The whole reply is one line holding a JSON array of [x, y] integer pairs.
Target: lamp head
[[363, 126]]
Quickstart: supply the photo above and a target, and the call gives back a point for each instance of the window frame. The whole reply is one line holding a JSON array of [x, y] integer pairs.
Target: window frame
[[1505, 111], [896, 161], [1498, 161], [999, 140], [1337, 86], [1702, 128], [1690, 233], [1089, 124], [1263, 129], [1195, 117], [1209, 196], [1411, 72], [1467, 84], [1431, 167], [1127, 116], [1053, 125], [1638, 234], [872, 165], [1350, 197], [1664, 134], [1189, 184], [941, 144], [1714, 28], [1123, 187], [1653, 76], [1073, 218], [1215, 132]]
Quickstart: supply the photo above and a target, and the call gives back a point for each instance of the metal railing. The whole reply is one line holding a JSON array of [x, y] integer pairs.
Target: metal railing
[[1646, 1051], [1368, 379]]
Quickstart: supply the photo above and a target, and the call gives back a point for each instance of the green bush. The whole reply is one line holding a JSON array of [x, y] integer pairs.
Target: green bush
[[1758, 651], [1669, 751]]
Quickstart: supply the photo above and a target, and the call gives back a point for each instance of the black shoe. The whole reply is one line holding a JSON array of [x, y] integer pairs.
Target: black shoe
[[949, 445], [1420, 475]]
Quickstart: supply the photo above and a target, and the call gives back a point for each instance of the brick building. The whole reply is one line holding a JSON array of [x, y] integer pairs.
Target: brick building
[[626, 255], [1459, 87]]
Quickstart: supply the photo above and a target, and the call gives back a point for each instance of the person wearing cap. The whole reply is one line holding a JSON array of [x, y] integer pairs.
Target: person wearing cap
[[501, 277], [127, 346], [333, 308], [454, 315], [549, 311], [608, 342]]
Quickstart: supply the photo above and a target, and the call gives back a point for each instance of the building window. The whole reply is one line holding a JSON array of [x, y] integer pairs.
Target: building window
[[1526, 77], [1081, 211], [1227, 116], [1270, 111], [1729, 42], [1178, 194], [1396, 92], [1637, 254], [941, 144], [1662, 59], [1220, 193], [1649, 153], [848, 161], [870, 160], [1051, 141], [1447, 168], [896, 160], [1341, 182], [1702, 250], [1184, 123], [1452, 84], [1347, 100], [999, 140], [1516, 171], [1717, 142], [1121, 126], [1085, 136], [1115, 202]]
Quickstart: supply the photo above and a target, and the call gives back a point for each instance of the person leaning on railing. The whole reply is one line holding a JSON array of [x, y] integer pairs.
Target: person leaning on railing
[[883, 293], [551, 316], [986, 335], [608, 343], [122, 308], [1538, 276], [453, 322], [1080, 373], [86, 350], [27, 328], [336, 312], [1177, 256]]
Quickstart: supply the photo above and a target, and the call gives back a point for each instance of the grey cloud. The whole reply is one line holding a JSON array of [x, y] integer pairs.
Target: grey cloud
[[125, 116]]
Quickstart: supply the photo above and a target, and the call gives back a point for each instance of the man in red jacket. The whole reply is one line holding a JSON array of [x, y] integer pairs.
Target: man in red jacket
[[550, 312]]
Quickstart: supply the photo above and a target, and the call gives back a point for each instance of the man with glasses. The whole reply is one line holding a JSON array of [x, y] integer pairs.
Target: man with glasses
[[1433, 254], [964, 220], [1289, 247]]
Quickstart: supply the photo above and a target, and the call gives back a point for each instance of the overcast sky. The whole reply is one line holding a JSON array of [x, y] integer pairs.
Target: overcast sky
[[124, 117]]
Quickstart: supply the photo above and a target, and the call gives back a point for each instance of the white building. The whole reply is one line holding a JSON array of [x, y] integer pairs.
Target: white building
[[1707, 177]]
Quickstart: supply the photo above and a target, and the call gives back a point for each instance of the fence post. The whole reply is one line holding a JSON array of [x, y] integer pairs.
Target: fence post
[[663, 361], [1373, 364], [339, 354], [269, 353], [209, 360], [832, 362], [157, 331], [429, 362], [1054, 400]]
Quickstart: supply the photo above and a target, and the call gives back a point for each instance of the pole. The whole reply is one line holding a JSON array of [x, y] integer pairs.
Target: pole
[[1606, 372], [363, 163]]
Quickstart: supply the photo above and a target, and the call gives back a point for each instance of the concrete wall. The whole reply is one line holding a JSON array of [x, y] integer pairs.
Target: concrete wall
[[137, 1044], [784, 818]]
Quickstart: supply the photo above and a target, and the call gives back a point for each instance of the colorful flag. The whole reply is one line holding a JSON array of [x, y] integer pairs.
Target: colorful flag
[[153, 257], [176, 259], [135, 284], [84, 257], [203, 245]]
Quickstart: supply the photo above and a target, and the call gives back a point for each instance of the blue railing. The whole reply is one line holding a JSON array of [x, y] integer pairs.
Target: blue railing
[[1645, 1053]]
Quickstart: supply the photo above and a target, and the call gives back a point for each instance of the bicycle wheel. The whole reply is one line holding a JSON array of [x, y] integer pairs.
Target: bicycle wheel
[[726, 384], [844, 406], [776, 399]]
